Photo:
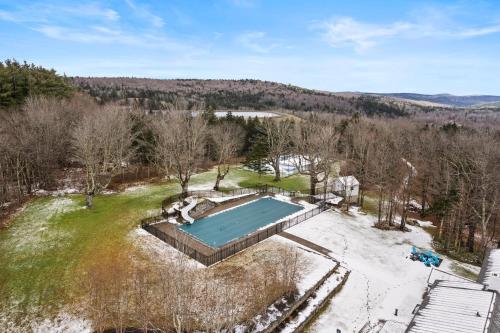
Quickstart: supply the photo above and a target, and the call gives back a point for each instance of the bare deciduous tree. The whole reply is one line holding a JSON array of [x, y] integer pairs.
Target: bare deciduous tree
[[278, 136], [315, 147], [102, 143], [227, 140], [35, 143], [360, 140], [180, 140]]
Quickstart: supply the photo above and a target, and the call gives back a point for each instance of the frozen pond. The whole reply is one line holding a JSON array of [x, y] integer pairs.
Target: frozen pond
[[246, 114]]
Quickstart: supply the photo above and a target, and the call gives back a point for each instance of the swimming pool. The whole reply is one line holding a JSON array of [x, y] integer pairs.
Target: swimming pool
[[221, 228]]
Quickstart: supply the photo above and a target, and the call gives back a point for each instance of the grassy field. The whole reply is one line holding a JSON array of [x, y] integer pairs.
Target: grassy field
[[239, 177], [43, 250], [370, 203], [52, 240], [250, 179]]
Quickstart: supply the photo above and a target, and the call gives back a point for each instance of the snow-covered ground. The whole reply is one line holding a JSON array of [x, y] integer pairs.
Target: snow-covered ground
[[321, 294], [61, 192], [313, 267], [63, 323], [157, 248], [382, 276], [136, 188]]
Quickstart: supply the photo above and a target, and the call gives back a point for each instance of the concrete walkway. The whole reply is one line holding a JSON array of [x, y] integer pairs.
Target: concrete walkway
[[306, 243], [185, 210]]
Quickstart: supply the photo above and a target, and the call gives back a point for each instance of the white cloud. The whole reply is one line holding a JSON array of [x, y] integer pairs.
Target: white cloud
[[256, 41], [346, 31], [90, 10], [42, 12], [105, 35], [146, 14], [476, 32], [94, 35], [6, 16], [94, 23]]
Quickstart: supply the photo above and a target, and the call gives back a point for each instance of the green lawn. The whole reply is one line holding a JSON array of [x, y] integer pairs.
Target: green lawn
[[251, 179], [45, 246], [239, 177], [370, 203], [51, 241]]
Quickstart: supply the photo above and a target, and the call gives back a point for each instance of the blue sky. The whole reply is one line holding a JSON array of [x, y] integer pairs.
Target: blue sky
[[375, 46]]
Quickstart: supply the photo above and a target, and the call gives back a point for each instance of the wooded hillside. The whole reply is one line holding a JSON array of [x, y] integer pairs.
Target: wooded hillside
[[157, 94]]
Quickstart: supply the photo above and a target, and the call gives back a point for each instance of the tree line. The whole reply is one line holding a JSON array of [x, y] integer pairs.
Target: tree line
[[445, 172]]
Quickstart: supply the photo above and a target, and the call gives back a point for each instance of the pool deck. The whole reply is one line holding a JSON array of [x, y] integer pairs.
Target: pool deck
[[231, 204], [172, 230]]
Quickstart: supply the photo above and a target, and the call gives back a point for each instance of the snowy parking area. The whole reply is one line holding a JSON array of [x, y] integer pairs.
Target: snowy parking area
[[382, 278]]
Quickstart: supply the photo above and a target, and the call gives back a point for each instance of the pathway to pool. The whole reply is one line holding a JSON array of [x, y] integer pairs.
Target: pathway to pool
[[306, 243]]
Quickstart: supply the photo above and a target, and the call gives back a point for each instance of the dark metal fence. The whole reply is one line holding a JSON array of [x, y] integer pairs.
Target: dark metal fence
[[176, 243], [235, 246]]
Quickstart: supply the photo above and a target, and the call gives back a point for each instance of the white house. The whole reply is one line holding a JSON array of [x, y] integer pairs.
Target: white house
[[347, 186]]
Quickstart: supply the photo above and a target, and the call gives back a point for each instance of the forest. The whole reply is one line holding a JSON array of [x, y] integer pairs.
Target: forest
[[238, 94]]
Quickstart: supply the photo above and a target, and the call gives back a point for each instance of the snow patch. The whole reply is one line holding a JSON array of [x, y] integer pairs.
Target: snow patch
[[57, 193], [30, 233], [137, 188], [108, 192], [158, 249], [63, 323]]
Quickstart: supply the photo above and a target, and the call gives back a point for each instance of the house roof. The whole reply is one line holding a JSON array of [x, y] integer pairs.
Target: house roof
[[490, 271], [455, 307], [348, 180]]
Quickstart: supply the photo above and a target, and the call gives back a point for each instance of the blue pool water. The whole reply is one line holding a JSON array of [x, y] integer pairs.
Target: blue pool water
[[219, 229]]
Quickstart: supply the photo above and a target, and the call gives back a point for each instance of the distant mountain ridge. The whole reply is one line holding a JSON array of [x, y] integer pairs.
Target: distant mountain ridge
[[448, 99]]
